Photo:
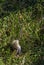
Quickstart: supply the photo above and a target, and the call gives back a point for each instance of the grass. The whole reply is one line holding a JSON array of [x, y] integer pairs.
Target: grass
[[29, 31]]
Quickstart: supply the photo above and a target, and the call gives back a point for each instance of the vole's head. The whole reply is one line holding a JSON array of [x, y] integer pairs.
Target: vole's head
[[16, 42]]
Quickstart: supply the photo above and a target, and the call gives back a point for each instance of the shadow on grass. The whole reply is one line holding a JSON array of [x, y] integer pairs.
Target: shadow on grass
[[14, 6]]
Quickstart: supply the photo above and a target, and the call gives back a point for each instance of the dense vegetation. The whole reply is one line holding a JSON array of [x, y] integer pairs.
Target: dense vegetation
[[22, 20]]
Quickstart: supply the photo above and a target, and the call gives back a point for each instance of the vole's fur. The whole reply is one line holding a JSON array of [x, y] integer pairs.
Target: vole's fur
[[17, 46]]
